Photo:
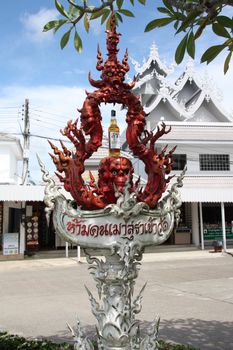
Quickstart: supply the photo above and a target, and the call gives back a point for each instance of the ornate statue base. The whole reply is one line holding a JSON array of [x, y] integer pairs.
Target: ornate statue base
[[121, 231], [116, 308]]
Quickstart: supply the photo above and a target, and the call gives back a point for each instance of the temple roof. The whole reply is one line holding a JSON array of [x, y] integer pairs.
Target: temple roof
[[191, 97], [152, 61]]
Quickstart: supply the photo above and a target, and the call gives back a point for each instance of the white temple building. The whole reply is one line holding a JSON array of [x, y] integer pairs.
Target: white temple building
[[203, 133]]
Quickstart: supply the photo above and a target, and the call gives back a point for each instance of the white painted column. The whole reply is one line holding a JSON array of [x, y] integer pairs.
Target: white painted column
[[201, 226], [223, 227], [78, 253], [195, 224], [67, 250], [148, 125]]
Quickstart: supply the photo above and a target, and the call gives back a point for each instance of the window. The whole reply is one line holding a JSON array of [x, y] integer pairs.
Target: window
[[214, 162], [179, 161]]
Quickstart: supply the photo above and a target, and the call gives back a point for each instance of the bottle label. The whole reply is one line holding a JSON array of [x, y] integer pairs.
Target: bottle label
[[114, 140]]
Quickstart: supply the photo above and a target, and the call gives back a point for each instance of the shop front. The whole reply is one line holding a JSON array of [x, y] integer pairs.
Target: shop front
[[212, 222], [210, 199], [23, 226]]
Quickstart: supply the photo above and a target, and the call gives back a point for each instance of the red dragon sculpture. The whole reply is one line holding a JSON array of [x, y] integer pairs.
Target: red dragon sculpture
[[88, 138]]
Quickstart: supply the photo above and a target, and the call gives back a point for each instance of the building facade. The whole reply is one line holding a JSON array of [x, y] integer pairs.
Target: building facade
[[203, 134], [22, 220]]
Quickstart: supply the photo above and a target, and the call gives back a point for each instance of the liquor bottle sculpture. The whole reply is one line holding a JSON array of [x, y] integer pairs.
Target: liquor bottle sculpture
[[114, 214]]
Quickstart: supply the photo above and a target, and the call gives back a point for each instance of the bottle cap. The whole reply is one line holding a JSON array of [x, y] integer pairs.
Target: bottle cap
[[113, 113]]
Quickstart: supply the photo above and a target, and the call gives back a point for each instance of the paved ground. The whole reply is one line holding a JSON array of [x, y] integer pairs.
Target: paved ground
[[191, 291]]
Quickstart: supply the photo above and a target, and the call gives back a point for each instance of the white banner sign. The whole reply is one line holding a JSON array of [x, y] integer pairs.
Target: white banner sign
[[10, 243]]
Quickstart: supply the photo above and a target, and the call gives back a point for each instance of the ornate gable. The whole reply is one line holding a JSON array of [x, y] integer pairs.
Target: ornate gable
[[188, 98]]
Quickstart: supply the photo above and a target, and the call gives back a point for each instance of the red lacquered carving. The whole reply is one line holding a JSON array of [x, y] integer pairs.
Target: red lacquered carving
[[113, 172]]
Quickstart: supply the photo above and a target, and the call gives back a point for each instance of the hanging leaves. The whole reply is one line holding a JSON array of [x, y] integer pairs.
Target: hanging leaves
[[211, 53], [180, 51], [191, 45], [186, 16], [126, 12], [119, 3], [77, 42], [219, 29], [61, 9], [105, 15], [56, 24], [143, 2], [119, 17], [160, 22], [86, 22], [227, 62], [97, 14], [65, 39]]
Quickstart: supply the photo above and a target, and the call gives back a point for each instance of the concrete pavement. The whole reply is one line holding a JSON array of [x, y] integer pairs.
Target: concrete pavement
[[191, 291]]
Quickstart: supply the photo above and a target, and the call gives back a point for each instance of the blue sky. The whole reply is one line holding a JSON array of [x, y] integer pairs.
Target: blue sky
[[33, 66]]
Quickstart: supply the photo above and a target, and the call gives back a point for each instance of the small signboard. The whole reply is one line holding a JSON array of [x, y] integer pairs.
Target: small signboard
[[215, 233], [10, 243]]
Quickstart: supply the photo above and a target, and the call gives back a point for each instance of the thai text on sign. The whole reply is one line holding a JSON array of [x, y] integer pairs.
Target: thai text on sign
[[79, 227]]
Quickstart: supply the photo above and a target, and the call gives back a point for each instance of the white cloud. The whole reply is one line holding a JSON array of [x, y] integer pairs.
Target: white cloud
[[34, 23]]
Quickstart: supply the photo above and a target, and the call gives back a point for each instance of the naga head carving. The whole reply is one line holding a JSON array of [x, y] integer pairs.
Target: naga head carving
[[113, 71]]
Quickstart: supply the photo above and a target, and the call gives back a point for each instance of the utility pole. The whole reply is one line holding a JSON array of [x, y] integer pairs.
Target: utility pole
[[26, 143]]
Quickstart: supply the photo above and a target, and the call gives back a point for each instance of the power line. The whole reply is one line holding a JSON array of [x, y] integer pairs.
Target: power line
[[46, 112], [40, 121], [45, 119], [9, 107]]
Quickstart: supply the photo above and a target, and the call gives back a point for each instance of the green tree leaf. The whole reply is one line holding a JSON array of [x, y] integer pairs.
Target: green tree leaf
[[105, 15], [78, 42], [119, 3], [227, 62], [159, 22], [108, 23], [191, 45], [97, 14], [188, 21], [126, 12], [65, 39], [180, 51], [165, 10], [143, 2], [211, 53], [225, 21], [50, 25], [176, 24], [61, 22], [168, 5], [179, 16], [119, 17], [61, 9], [220, 30], [132, 2], [86, 22], [73, 11]]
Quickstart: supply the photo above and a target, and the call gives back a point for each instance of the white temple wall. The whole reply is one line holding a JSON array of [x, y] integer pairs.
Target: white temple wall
[[194, 150]]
